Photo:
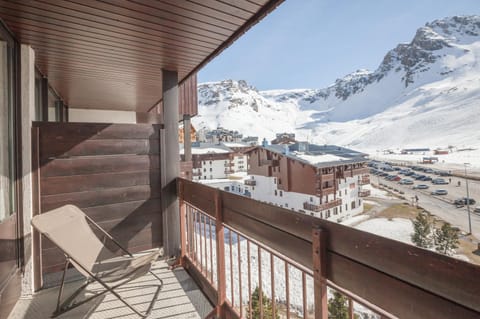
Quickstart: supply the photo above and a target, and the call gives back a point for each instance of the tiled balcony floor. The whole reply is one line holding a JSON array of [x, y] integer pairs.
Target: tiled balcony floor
[[180, 298]]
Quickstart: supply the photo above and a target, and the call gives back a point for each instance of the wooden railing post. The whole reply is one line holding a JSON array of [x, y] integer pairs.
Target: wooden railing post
[[219, 230], [320, 273], [183, 223]]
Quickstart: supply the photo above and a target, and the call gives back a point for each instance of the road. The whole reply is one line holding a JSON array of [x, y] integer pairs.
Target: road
[[442, 206]]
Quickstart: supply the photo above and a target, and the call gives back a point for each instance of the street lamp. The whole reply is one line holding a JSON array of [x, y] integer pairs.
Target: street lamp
[[468, 200]]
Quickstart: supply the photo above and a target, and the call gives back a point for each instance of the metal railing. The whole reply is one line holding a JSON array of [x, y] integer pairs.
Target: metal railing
[[254, 260]]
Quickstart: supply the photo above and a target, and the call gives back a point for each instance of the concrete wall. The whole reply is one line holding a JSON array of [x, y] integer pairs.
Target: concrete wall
[[101, 116], [28, 115]]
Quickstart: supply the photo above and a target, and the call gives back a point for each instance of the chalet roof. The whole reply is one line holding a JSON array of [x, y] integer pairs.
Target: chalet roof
[[318, 155], [208, 148]]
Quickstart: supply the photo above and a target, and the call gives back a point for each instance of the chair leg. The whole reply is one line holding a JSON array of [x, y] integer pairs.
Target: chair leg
[[67, 262]]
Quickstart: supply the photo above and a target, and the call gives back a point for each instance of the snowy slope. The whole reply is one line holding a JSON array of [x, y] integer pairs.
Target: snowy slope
[[425, 93]]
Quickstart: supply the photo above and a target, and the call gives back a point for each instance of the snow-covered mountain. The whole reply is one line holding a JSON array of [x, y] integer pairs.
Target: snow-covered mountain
[[424, 93]]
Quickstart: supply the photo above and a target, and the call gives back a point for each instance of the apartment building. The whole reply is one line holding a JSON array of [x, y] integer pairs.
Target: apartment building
[[216, 161], [322, 181]]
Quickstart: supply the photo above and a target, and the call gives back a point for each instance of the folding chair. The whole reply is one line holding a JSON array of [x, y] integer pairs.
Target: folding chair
[[70, 229]]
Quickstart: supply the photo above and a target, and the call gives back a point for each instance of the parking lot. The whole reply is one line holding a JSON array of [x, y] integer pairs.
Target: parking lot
[[440, 205]]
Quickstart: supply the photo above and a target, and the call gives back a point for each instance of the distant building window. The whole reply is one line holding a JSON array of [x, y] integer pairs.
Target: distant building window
[[210, 169], [346, 207], [353, 205], [339, 193], [253, 188], [311, 199], [210, 162], [335, 211], [226, 188], [345, 192], [359, 202], [281, 193], [211, 177], [226, 162], [286, 204], [275, 181], [279, 181], [340, 208], [204, 169], [204, 162], [275, 192]]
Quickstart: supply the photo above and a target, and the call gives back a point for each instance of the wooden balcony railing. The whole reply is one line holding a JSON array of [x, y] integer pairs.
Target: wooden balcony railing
[[364, 180], [326, 190], [324, 206], [364, 193], [250, 182], [233, 245], [269, 162], [361, 171]]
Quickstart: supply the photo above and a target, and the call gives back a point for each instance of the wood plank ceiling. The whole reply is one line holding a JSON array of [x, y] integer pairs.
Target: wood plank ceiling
[[109, 54]]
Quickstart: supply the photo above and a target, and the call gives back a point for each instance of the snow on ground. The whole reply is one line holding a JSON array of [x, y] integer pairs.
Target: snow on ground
[[377, 193], [447, 162], [355, 219], [396, 228]]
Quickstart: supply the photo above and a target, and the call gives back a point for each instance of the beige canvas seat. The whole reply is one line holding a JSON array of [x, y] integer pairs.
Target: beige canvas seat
[[74, 233]]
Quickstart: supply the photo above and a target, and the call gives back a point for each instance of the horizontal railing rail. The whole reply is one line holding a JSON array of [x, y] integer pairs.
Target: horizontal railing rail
[[390, 278]]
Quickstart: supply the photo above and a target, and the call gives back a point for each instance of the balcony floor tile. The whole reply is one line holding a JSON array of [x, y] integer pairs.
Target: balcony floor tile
[[180, 298]]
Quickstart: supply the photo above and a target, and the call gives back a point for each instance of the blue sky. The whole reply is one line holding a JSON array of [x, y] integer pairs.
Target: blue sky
[[310, 43]]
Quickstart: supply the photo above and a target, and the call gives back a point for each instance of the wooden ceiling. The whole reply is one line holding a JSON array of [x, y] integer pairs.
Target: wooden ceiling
[[109, 54]]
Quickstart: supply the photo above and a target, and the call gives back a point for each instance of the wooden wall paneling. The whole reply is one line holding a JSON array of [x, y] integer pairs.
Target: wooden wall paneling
[[111, 171]]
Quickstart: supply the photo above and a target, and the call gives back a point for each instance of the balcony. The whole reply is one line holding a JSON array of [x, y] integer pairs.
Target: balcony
[[361, 171], [364, 180], [250, 182], [230, 164], [324, 206], [269, 162], [326, 177], [232, 246], [226, 237], [326, 191], [364, 193]]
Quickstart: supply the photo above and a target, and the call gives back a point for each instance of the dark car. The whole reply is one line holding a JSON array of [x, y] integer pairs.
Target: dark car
[[439, 181], [426, 178], [464, 201], [420, 177]]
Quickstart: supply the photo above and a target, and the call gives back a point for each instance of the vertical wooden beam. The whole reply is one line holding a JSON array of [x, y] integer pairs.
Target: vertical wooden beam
[[183, 222], [170, 164], [220, 238], [319, 273], [187, 141], [59, 111], [44, 99]]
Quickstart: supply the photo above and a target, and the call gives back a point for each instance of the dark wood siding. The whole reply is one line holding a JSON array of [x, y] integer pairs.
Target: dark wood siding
[[111, 171], [109, 54]]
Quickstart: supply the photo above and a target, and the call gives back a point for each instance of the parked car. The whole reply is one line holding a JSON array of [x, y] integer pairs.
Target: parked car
[[406, 181], [439, 181], [420, 177], [396, 178], [426, 178], [420, 186], [440, 192], [463, 201], [443, 173], [409, 173], [429, 171]]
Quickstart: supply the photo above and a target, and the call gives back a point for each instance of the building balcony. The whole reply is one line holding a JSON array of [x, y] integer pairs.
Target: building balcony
[[326, 190], [364, 180], [326, 177], [223, 238], [321, 207], [250, 182], [230, 164], [269, 162], [361, 171], [364, 193]]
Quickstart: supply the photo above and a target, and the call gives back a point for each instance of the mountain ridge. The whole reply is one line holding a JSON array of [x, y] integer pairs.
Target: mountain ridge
[[437, 71]]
